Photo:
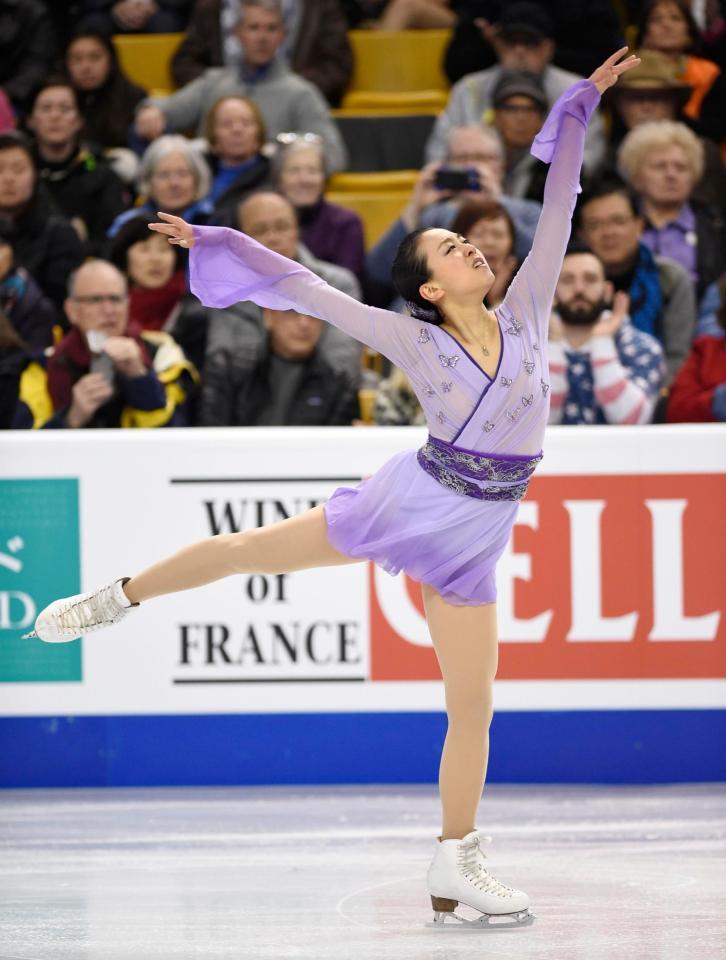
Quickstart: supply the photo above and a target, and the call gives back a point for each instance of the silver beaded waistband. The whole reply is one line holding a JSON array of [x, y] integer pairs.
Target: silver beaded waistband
[[457, 469]]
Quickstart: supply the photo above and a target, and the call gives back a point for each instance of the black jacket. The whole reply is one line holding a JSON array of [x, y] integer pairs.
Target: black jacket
[[31, 314], [27, 48], [47, 246], [256, 177], [85, 187], [235, 391]]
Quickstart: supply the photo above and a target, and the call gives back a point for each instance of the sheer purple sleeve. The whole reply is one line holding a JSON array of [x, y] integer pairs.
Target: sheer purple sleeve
[[560, 143], [226, 266]]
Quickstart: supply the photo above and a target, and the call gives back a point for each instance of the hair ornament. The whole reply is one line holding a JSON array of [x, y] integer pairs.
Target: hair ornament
[[428, 314]]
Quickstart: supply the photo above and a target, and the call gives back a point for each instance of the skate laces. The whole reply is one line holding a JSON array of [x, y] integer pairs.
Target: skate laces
[[90, 611], [470, 856]]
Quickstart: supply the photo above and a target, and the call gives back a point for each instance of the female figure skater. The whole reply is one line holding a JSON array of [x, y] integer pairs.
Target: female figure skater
[[442, 514]]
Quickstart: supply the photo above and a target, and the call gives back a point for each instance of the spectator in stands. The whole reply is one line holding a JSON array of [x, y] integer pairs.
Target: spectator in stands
[[239, 331], [44, 241], [105, 374], [474, 147], [235, 134], [15, 358], [83, 186], [174, 177], [651, 93], [524, 42], [487, 225], [134, 16], [698, 393], [662, 161], [155, 271], [396, 403], [27, 49], [669, 27], [602, 369], [107, 98], [288, 103], [288, 381], [520, 107], [22, 302], [585, 34], [662, 297], [416, 15], [316, 43], [331, 232]]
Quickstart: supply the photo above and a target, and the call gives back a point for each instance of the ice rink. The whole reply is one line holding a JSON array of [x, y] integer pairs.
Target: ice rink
[[339, 872]]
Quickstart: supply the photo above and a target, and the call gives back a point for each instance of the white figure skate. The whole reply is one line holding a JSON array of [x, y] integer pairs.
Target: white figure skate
[[457, 875], [72, 617]]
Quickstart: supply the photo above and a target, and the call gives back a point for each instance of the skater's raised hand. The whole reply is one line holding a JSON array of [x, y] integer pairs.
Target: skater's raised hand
[[177, 231], [607, 73]]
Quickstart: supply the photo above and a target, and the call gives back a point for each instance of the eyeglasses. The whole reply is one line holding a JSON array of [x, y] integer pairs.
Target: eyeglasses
[[45, 108], [520, 108], [115, 299], [286, 138], [619, 221]]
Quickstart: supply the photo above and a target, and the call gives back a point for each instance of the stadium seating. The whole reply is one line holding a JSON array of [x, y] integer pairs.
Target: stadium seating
[[146, 59]]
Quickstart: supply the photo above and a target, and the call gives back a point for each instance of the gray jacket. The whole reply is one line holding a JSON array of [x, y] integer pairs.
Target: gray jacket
[[288, 104], [678, 318], [240, 329], [471, 97]]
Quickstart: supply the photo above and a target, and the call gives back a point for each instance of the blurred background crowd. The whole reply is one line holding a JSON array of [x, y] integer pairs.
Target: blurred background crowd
[[327, 130]]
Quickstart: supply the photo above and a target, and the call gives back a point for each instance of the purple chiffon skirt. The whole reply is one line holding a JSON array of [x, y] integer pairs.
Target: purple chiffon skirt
[[403, 519]]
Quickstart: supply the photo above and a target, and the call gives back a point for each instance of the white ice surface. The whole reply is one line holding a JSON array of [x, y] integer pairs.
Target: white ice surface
[[171, 874]]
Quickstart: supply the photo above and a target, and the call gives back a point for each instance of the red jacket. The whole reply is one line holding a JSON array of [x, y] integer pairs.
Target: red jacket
[[704, 369]]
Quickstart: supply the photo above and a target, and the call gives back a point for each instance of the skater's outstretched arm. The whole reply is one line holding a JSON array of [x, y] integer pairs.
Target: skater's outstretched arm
[[226, 266], [560, 143]]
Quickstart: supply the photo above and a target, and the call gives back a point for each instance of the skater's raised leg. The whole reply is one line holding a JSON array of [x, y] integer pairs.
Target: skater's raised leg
[[465, 641], [294, 544], [297, 543]]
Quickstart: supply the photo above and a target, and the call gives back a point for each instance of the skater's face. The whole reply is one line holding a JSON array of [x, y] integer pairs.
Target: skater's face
[[494, 237], [88, 63], [260, 33], [457, 269], [99, 299], [271, 220], [17, 179], [55, 119], [150, 263], [293, 335]]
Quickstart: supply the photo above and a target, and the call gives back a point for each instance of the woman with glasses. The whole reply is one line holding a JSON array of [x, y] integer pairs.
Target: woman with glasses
[[444, 513]]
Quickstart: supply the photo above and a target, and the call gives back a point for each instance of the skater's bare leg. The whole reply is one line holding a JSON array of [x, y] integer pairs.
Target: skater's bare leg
[[465, 640], [294, 544]]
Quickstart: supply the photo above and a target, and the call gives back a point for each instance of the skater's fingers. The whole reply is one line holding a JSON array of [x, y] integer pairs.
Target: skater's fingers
[[614, 57]]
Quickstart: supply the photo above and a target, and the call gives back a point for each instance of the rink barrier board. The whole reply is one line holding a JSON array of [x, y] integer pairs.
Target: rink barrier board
[[615, 747], [610, 612]]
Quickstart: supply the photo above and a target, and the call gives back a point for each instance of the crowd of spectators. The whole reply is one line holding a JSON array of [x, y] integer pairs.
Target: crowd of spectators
[[97, 324]]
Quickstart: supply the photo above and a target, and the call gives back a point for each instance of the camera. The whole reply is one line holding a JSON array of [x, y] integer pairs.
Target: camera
[[455, 180]]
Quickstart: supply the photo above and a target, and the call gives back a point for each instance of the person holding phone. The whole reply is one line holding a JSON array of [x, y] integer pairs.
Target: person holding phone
[[443, 513]]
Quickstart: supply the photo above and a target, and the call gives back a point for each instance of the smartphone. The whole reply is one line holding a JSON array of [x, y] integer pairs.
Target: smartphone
[[455, 180], [100, 361]]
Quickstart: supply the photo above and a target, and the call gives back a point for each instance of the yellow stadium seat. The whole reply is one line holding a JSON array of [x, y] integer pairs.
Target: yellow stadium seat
[[377, 210], [387, 181], [398, 61], [146, 59], [366, 102]]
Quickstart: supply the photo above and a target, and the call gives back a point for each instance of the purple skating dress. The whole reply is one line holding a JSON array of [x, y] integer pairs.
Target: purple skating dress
[[444, 513]]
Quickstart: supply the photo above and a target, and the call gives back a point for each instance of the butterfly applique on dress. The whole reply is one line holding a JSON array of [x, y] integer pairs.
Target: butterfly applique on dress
[[424, 336], [448, 361]]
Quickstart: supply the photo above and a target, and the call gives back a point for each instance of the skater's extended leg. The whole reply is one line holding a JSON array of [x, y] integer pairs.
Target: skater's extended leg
[[294, 544], [465, 640]]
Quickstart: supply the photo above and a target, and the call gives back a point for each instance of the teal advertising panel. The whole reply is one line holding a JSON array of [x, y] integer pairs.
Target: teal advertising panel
[[39, 562]]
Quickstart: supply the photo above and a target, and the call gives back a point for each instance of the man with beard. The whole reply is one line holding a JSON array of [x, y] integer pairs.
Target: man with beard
[[602, 369]]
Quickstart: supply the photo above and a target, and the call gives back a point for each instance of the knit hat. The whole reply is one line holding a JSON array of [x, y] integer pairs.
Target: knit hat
[[521, 83], [526, 20]]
